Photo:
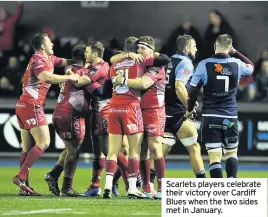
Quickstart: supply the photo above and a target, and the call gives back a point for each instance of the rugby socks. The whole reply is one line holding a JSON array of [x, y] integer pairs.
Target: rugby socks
[[98, 165], [56, 171], [160, 168], [152, 175], [117, 175], [200, 174], [110, 171], [231, 166], [122, 162], [67, 183], [215, 170], [30, 159], [23, 156], [133, 169], [145, 175]]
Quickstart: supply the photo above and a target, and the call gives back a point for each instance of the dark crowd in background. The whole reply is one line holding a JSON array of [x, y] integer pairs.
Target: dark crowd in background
[[15, 52]]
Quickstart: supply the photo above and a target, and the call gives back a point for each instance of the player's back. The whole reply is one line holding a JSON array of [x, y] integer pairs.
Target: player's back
[[154, 97], [122, 94], [98, 74], [220, 75], [173, 104], [34, 89], [70, 97]]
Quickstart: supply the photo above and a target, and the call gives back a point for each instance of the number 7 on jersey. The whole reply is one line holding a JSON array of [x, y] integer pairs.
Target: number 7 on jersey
[[226, 81]]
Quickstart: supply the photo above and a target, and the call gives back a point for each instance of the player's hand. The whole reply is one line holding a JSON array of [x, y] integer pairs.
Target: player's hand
[[74, 77], [136, 57], [232, 51], [188, 114], [156, 54], [119, 79], [68, 70]]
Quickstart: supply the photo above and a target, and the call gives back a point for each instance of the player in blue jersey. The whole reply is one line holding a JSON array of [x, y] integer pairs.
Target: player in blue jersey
[[178, 73], [219, 76]]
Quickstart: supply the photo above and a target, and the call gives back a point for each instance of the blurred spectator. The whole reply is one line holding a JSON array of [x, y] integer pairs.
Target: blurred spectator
[[263, 55], [186, 27], [10, 81], [262, 81], [217, 25], [7, 27]]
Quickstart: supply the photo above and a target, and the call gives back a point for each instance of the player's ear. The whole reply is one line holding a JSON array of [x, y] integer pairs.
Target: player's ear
[[42, 47], [187, 48]]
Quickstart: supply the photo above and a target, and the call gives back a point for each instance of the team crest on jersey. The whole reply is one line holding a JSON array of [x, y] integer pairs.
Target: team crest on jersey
[[93, 71], [154, 70], [186, 71]]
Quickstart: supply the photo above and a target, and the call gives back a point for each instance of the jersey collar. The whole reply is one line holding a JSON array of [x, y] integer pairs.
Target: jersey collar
[[221, 56], [183, 54]]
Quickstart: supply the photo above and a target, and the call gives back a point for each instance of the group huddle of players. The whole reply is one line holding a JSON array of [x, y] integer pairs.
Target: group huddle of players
[[138, 107]]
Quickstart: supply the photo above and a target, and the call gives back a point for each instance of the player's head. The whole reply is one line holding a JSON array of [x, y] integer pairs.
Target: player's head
[[130, 44], [146, 46], [223, 44], [42, 42], [78, 52], [186, 44], [94, 50]]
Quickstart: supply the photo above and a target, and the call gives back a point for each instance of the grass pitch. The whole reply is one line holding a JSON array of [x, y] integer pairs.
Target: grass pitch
[[49, 205]]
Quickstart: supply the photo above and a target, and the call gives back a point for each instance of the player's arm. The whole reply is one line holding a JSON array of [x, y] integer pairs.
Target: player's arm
[[125, 55], [50, 78], [247, 66], [92, 76], [84, 80], [183, 72], [199, 79], [140, 83], [157, 60]]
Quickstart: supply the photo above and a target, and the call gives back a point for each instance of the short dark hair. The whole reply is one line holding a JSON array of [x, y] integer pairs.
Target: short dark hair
[[130, 44], [149, 40], [182, 41], [78, 52], [97, 46], [224, 41], [38, 40]]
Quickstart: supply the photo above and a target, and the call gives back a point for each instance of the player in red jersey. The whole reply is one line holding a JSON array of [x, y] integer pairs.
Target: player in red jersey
[[69, 123], [153, 83], [30, 107], [126, 119]]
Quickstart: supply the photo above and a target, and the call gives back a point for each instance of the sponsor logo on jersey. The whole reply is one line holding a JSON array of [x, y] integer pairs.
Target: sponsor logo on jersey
[[218, 68], [186, 71], [125, 64]]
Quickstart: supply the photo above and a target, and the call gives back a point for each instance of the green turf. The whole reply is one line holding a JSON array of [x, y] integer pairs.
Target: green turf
[[50, 205]]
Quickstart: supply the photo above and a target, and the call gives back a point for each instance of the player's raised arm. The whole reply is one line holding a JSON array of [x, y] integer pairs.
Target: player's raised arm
[[183, 72], [199, 79], [246, 65], [50, 78]]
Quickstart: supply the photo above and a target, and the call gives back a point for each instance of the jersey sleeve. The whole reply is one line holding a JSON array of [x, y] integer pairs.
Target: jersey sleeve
[[95, 73], [38, 66], [148, 62], [184, 71], [200, 75], [153, 73], [56, 61], [245, 69]]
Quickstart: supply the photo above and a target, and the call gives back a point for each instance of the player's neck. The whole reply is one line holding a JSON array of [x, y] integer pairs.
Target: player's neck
[[96, 61], [43, 53], [221, 51]]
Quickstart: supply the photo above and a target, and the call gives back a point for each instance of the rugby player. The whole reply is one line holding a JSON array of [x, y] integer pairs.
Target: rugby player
[[219, 76], [30, 107]]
